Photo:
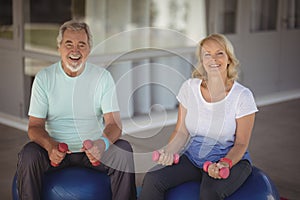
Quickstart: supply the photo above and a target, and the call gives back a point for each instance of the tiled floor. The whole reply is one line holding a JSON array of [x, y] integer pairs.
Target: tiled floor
[[274, 148]]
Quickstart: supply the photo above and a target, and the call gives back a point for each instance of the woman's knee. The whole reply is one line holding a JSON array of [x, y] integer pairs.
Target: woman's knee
[[154, 179]]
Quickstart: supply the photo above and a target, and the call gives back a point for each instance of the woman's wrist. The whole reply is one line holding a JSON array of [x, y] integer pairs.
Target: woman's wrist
[[226, 161]]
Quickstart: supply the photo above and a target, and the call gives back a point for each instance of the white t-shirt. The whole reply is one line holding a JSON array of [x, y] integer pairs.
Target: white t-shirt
[[212, 126], [73, 106]]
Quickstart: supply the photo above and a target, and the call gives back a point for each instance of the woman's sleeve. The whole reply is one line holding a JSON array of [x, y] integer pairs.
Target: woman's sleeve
[[246, 104], [183, 94]]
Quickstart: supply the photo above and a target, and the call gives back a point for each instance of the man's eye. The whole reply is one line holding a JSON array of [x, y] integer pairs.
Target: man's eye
[[69, 46], [82, 46]]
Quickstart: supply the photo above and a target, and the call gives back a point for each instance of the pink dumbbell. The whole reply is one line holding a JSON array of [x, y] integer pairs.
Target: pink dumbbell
[[62, 147], [223, 172], [87, 144], [156, 154]]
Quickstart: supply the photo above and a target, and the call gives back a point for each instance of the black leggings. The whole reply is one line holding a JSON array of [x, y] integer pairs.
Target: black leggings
[[157, 182]]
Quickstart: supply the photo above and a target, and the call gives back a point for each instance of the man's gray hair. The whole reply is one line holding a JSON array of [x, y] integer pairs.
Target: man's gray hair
[[75, 26]]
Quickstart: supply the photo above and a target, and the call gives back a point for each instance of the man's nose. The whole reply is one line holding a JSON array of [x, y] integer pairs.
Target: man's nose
[[75, 48]]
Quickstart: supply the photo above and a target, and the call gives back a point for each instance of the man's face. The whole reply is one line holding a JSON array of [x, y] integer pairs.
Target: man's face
[[74, 50]]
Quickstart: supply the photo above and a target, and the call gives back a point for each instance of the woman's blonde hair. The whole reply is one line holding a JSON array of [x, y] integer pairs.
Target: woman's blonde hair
[[232, 69]]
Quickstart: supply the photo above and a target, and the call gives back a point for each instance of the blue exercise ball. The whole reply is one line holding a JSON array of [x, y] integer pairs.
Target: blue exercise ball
[[257, 186], [15, 189], [74, 183]]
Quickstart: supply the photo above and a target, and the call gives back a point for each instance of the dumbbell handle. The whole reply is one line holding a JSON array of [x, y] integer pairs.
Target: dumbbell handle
[[87, 144], [223, 172], [156, 154], [62, 147]]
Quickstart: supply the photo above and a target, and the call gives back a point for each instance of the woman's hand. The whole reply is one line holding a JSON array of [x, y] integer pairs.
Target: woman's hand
[[213, 171], [165, 158]]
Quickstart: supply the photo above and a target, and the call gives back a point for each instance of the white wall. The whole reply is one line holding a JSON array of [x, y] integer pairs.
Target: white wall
[[11, 83]]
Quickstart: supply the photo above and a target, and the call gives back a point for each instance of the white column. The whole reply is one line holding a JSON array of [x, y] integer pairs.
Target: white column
[[118, 18], [195, 27], [141, 69], [141, 87], [167, 75], [95, 12]]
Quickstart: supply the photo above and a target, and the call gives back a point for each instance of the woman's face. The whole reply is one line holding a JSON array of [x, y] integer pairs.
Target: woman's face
[[214, 58]]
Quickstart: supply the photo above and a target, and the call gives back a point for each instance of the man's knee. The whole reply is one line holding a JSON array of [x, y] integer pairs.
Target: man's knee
[[124, 145], [31, 152], [119, 157]]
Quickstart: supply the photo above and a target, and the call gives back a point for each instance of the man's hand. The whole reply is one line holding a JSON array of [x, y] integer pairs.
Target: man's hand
[[57, 153], [94, 153]]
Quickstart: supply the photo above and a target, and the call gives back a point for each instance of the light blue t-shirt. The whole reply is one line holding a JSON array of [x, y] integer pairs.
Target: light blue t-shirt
[[212, 126], [73, 106]]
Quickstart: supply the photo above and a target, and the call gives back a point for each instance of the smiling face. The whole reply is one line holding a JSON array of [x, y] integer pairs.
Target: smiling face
[[214, 58], [74, 50]]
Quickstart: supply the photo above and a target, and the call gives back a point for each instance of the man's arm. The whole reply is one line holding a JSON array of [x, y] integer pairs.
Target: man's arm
[[38, 134], [113, 126], [112, 131]]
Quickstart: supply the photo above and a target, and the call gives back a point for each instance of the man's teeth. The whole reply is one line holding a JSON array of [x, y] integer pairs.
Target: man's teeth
[[76, 57], [214, 65]]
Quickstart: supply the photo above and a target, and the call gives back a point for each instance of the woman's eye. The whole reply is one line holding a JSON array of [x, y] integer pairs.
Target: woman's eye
[[220, 53]]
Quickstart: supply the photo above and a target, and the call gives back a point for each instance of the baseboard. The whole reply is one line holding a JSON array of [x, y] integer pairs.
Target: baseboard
[[13, 121], [277, 97], [143, 123]]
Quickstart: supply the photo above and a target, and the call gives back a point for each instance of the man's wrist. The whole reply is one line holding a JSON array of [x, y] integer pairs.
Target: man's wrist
[[106, 142]]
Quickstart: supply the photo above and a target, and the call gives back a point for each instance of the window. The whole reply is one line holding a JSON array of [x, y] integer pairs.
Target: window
[[292, 14], [228, 17], [42, 19], [263, 15], [6, 19], [132, 28], [109, 18], [222, 16]]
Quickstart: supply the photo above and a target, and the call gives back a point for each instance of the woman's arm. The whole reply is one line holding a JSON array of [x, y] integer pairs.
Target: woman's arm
[[242, 138], [177, 141], [180, 135]]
